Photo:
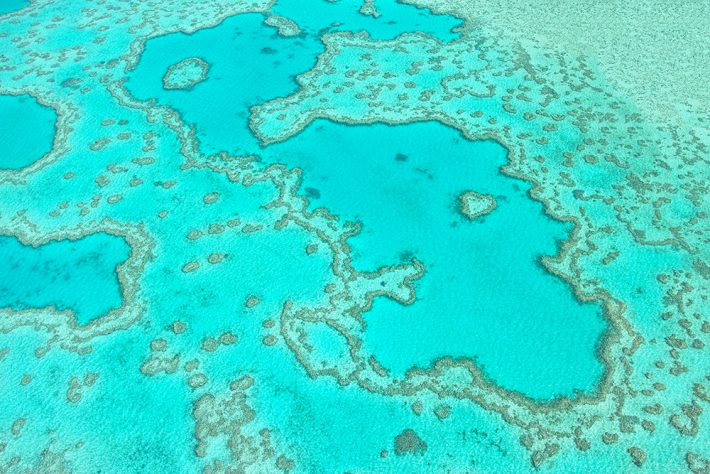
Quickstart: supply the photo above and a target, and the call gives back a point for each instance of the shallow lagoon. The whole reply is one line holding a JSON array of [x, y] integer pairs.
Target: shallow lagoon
[[17, 115], [250, 63], [479, 298], [9, 6], [77, 275], [145, 422], [485, 294]]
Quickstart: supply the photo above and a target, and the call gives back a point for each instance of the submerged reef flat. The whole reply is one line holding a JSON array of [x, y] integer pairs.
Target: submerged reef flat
[[185, 74], [474, 205], [354, 236]]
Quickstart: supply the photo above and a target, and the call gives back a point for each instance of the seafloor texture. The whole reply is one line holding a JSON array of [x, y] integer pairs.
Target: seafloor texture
[[354, 236]]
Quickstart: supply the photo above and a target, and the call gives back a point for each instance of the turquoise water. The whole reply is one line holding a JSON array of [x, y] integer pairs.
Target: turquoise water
[[17, 115], [316, 18], [250, 63], [271, 305], [77, 275], [402, 183], [412, 213], [7, 6]]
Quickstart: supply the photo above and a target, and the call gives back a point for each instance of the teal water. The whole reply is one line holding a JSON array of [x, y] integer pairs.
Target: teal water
[[77, 275], [18, 114]]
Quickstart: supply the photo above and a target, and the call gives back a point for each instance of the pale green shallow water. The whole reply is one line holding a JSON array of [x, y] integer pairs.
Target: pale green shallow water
[[270, 270]]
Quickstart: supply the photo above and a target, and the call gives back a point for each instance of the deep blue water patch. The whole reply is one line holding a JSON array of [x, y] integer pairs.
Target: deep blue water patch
[[26, 131], [69, 274]]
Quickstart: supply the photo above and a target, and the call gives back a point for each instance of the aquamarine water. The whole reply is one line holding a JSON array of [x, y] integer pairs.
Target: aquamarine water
[[251, 63], [393, 18], [267, 265], [410, 213], [404, 190], [19, 113], [8, 6], [77, 275]]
